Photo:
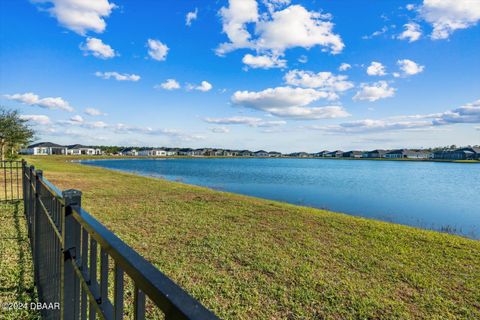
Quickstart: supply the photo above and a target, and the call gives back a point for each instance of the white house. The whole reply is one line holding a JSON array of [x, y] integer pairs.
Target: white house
[[153, 153], [44, 148], [129, 152], [78, 149]]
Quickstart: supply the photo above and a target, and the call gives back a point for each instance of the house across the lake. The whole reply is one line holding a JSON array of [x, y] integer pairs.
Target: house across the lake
[[260, 153], [78, 149], [407, 154], [334, 154], [352, 154], [44, 148], [377, 153]]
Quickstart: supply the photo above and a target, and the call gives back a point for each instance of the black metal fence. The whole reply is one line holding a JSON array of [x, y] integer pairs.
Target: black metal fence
[[72, 254], [10, 180]]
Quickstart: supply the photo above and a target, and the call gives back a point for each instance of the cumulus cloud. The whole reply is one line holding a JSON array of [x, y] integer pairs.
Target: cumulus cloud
[[190, 17], [157, 50], [117, 76], [375, 91], [411, 33], [79, 16], [204, 86], [277, 30], [289, 102], [469, 113], [169, 84], [94, 112], [97, 48], [344, 67], [447, 16], [376, 69], [264, 61], [325, 81], [249, 121], [32, 99], [36, 118], [409, 67]]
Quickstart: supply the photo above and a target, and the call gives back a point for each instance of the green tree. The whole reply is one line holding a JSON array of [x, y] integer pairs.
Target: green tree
[[14, 133]]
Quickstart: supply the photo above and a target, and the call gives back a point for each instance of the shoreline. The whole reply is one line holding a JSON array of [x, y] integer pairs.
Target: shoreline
[[446, 229], [103, 157]]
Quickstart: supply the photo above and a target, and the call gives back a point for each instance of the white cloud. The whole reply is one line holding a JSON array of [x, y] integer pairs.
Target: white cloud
[[375, 91], [79, 16], [220, 129], [176, 135], [264, 61], [410, 7], [77, 119], [37, 118], [376, 33], [273, 5], [94, 112], [31, 99], [469, 113], [169, 84], [289, 102], [303, 59], [297, 27], [117, 76], [98, 125], [322, 80], [447, 16], [190, 17], [411, 33], [157, 50], [409, 67], [234, 20], [249, 121], [376, 69], [98, 49], [204, 86], [344, 67], [276, 31]]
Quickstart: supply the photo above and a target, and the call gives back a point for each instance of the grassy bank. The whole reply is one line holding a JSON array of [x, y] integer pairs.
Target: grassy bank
[[16, 272], [247, 258]]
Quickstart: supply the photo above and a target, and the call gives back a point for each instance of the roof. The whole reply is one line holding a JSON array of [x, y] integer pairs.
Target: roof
[[78, 146], [45, 145], [407, 151]]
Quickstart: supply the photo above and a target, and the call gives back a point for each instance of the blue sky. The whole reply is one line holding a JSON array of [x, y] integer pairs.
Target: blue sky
[[262, 74]]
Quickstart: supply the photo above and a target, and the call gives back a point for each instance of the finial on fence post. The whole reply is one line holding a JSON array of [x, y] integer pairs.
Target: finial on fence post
[[39, 174], [72, 197]]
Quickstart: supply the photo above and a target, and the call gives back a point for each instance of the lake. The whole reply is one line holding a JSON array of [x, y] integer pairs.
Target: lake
[[431, 195]]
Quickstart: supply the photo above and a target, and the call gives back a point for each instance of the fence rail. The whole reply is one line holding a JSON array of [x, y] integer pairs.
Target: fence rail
[[73, 252], [10, 180]]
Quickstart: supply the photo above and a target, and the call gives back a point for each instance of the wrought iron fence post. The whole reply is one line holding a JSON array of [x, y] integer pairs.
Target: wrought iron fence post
[[71, 239], [36, 221]]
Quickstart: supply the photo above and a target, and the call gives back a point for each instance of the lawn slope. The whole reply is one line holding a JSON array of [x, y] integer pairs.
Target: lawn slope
[[247, 258]]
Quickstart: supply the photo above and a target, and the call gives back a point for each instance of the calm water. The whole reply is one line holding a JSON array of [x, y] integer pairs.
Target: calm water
[[423, 194]]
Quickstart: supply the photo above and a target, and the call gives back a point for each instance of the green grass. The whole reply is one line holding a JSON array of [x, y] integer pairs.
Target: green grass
[[16, 273], [248, 258]]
